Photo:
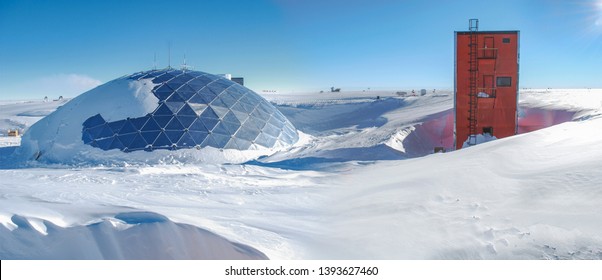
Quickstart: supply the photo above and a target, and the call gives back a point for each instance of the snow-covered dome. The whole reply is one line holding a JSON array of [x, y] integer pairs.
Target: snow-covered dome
[[165, 109]]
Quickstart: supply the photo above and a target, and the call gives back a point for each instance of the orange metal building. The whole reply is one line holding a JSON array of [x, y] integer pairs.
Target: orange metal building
[[486, 84]]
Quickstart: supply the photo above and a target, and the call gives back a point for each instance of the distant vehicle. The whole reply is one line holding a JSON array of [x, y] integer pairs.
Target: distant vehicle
[[423, 92], [332, 89]]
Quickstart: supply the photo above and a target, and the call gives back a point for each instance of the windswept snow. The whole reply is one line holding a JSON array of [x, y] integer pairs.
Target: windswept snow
[[57, 137], [534, 196], [362, 182], [130, 235]]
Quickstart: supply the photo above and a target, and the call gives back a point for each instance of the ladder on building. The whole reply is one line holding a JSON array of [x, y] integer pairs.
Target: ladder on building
[[473, 68]]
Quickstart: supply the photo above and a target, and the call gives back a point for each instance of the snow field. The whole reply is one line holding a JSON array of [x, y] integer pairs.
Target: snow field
[[361, 183]]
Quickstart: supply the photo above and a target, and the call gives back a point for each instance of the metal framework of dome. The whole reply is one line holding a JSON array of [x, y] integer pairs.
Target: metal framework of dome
[[195, 109]]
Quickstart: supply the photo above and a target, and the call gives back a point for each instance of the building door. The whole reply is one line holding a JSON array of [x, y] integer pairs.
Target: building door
[[488, 86], [489, 48]]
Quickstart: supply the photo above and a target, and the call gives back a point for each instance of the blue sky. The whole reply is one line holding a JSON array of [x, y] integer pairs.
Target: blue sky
[[65, 47]]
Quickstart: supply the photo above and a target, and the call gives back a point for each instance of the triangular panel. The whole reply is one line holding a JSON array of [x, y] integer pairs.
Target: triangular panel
[[209, 113], [163, 110], [106, 132], [139, 122], [198, 108], [209, 141], [128, 127], [93, 121], [198, 136], [186, 92], [220, 111], [242, 144], [231, 118], [186, 110], [96, 131], [138, 143], [175, 98], [220, 140], [231, 145], [162, 141], [221, 129], [174, 124], [186, 141], [150, 136], [227, 98], [162, 121], [197, 125], [116, 144], [105, 143], [247, 133], [151, 125], [163, 92], [174, 106], [209, 123], [126, 139], [186, 121], [174, 135], [241, 116], [218, 103]]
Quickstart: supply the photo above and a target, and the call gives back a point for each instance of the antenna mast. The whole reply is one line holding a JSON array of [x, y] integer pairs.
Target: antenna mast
[[184, 66], [169, 54]]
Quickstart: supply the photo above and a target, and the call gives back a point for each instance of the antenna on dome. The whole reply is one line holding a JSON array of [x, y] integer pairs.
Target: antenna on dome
[[185, 66], [169, 54]]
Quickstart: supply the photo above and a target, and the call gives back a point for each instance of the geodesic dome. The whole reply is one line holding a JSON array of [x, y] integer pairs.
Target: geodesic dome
[[172, 112], [194, 109]]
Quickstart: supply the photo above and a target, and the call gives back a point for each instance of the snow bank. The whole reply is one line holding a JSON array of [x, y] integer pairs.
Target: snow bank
[[532, 196], [541, 108], [420, 139], [357, 126], [22, 114], [532, 119], [57, 137], [130, 235], [580, 101], [480, 139]]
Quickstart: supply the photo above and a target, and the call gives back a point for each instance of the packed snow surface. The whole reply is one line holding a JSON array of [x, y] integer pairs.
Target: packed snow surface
[[362, 183]]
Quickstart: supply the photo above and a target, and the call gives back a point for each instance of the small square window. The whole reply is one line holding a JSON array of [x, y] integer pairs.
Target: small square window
[[506, 40], [504, 81], [488, 130]]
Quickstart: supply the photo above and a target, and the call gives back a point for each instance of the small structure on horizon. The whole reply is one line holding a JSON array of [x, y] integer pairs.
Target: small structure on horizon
[[13, 132], [238, 80]]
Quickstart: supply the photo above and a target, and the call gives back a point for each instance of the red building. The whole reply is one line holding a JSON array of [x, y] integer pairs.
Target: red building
[[486, 84]]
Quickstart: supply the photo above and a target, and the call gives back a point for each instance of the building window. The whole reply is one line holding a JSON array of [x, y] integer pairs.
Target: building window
[[506, 40], [504, 81], [488, 130]]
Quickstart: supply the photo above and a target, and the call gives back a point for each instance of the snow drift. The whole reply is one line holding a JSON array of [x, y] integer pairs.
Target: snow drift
[[362, 183], [130, 235]]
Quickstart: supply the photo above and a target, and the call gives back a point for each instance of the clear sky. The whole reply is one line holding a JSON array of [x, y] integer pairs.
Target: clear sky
[[65, 47]]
